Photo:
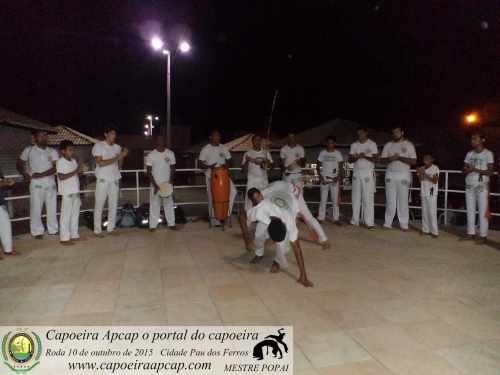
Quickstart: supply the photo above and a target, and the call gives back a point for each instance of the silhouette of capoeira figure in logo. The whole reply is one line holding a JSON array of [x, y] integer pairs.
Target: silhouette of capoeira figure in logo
[[258, 351]]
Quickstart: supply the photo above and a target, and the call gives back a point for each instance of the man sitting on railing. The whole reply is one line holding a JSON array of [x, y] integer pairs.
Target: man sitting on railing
[[275, 215]]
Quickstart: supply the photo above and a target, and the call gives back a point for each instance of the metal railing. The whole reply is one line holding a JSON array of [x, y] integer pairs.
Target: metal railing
[[443, 188]]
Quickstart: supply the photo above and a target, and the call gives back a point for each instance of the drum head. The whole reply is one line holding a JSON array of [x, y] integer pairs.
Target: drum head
[[166, 190]]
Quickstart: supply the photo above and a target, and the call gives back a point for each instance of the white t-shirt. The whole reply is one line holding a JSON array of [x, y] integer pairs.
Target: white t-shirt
[[479, 161], [107, 152], [70, 185], [38, 160], [291, 154], [427, 188], [284, 186], [405, 149], [369, 148], [278, 204], [160, 163], [255, 170], [210, 155], [330, 163]]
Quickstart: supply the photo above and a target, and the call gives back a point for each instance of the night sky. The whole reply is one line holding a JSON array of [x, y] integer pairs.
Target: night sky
[[422, 64]]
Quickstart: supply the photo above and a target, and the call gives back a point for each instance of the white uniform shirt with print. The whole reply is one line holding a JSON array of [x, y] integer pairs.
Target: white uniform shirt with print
[[277, 204], [369, 148], [284, 186], [210, 155], [330, 163], [160, 163], [405, 149], [107, 152], [38, 160], [427, 188], [255, 170], [70, 185], [479, 161], [292, 154]]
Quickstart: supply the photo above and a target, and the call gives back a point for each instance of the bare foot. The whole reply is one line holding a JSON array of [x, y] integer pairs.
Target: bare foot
[[423, 234], [326, 245], [305, 282], [152, 230], [275, 268], [256, 259], [67, 243], [434, 235], [112, 233], [100, 235], [12, 253], [269, 242], [337, 223], [79, 239], [469, 237], [481, 241], [173, 227]]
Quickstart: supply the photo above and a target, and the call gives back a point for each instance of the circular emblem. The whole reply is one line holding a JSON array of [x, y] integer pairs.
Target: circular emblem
[[404, 182], [49, 157], [403, 150], [297, 155], [21, 348], [221, 154], [167, 160], [479, 189], [280, 202], [367, 179], [367, 151]]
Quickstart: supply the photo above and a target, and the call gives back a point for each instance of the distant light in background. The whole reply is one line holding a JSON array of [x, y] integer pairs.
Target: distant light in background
[[484, 25], [472, 118], [157, 43], [184, 47], [165, 52]]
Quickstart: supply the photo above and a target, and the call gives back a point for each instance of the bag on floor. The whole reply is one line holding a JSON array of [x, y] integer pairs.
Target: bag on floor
[[180, 217], [127, 216]]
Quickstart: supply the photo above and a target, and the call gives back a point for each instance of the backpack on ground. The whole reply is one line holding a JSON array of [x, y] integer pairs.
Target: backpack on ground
[[127, 216]]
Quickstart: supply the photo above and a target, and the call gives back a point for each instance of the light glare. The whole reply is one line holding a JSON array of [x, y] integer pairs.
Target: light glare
[[157, 43], [165, 52], [184, 47]]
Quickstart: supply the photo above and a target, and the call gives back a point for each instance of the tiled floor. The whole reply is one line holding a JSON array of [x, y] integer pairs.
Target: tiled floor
[[384, 302]]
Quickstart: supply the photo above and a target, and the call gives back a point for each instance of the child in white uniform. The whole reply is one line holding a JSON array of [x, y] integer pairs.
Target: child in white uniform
[[69, 188], [429, 175]]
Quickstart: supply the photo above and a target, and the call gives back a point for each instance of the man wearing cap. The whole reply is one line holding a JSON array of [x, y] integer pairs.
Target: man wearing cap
[[292, 160], [161, 168], [40, 172]]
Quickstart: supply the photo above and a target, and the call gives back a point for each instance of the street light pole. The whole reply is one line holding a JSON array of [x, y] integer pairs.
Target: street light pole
[[168, 102]]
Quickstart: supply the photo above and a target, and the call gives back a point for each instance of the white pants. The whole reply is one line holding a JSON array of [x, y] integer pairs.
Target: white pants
[[295, 178], [477, 192], [363, 190], [429, 214], [333, 188], [253, 182], [106, 189], [397, 186], [43, 191], [155, 202], [211, 213], [282, 247], [70, 212], [5, 230], [304, 210]]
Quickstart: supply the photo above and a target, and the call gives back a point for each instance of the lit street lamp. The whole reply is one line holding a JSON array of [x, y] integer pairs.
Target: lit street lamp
[[472, 118], [184, 47], [150, 127]]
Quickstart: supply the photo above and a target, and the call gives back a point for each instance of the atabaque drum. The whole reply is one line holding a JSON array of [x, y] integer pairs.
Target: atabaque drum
[[166, 190], [220, 185]]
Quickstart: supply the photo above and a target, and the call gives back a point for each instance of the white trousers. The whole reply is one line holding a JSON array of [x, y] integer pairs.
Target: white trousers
[[362, 192], [70, 212], [333, 189], [429, 214], [211, 213], [155, 202], [282, 247], [43, 191], [397, 186], [253, 182], [5, 230], [477, 192], [304, 210], [106, 189], [294, 178]]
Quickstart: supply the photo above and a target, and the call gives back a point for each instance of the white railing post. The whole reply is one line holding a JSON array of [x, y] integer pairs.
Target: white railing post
[[446, 198], [137, 187]]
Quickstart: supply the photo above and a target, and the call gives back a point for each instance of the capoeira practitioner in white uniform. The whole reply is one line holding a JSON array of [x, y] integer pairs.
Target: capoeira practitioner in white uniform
[[429, 177], [254, 163], [5, 226], [330, 169], [160, 166], [212, 156], [364, 155], [399, 155], [276, 216], [292, 160], [477, 169], [109, 157], [40, 172], [256, 195]]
